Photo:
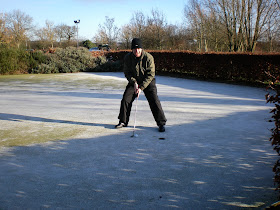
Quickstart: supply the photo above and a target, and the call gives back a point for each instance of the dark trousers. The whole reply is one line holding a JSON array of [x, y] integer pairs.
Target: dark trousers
[[152, 97]]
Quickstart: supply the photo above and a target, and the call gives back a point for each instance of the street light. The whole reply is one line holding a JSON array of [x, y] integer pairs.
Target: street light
[[77, 22]]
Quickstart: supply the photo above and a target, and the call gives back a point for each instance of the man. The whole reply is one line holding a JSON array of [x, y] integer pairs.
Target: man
[[139, 70]]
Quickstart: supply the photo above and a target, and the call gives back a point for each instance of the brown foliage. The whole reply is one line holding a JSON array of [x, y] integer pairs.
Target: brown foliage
[[237, 67], [98, 53]]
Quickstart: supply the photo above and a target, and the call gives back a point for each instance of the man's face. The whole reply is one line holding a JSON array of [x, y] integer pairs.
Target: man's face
[[137, 52]]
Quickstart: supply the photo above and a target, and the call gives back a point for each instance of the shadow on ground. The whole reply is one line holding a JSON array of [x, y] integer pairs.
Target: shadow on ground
[[18, 117], [187, 171]]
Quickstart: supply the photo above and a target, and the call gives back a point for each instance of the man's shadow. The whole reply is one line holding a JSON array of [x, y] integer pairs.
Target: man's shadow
[[17, 117]]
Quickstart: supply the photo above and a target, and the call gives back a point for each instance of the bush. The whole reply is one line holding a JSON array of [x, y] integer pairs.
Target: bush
[[18, 60], [35, 59], [88, 44], [274, 98], [45, 69], [110, 66], [69, 60], [13, 60]]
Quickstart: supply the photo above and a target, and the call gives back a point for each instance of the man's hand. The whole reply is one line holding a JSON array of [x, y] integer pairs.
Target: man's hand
[[137, 90]]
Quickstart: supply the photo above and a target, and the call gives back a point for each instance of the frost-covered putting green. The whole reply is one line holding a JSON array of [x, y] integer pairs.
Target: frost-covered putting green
[[65, 81], [215, 154], [40, 108]]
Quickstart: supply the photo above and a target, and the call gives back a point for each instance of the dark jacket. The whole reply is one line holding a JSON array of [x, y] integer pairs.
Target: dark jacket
[[140, 70]]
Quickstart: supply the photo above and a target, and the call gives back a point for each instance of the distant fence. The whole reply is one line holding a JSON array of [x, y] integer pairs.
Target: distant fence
[[236, 67]]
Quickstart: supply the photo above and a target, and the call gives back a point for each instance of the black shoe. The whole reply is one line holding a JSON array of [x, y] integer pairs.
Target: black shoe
[[161, 128], [121, 125]]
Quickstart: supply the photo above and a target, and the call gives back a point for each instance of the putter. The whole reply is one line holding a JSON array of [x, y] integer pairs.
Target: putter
[[134, 134]]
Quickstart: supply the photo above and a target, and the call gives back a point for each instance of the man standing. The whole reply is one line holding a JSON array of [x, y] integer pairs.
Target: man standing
[[139, 70]]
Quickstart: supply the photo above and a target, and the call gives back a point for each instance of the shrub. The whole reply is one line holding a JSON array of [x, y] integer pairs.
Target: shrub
[[69, 60], [45, 69], [18, 60], [274, 98], [13, 60], [35, 59], [88, 44], [110, 66]]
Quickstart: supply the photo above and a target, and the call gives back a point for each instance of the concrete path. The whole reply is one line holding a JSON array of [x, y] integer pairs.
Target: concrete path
[[215, 153]]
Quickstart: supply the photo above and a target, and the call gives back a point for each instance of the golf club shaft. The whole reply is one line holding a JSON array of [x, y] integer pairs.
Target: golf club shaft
[[135, 114]]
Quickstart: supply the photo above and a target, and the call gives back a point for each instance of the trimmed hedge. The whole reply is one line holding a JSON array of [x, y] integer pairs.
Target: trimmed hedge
[[237, 67]]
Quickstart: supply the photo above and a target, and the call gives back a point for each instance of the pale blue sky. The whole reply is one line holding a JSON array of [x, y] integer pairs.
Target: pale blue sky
[[92, 12]]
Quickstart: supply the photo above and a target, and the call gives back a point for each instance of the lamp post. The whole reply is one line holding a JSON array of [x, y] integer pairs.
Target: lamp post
[[77, 22]]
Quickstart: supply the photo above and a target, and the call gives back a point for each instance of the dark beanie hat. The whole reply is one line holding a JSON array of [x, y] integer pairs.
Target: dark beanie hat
[[136, 43]]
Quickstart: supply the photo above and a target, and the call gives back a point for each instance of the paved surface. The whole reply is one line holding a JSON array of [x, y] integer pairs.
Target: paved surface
[[215, 153]]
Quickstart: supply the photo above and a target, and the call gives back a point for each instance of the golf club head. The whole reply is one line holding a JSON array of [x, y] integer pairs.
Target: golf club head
[[134, 135]]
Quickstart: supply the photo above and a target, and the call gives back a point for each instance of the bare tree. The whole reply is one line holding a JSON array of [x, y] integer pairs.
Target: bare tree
[[231, 15], [138, 24], [64, 32], [242, 22], [47, 35], [156, 24], [101, 37], [245, 21], [177, 38], [69, 32], [49, 30], [19, 24], [5, 37], [271, 31], [214, 28], [197, 16], [156, 33], [126, 36], [108, 32], [41, 37]]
